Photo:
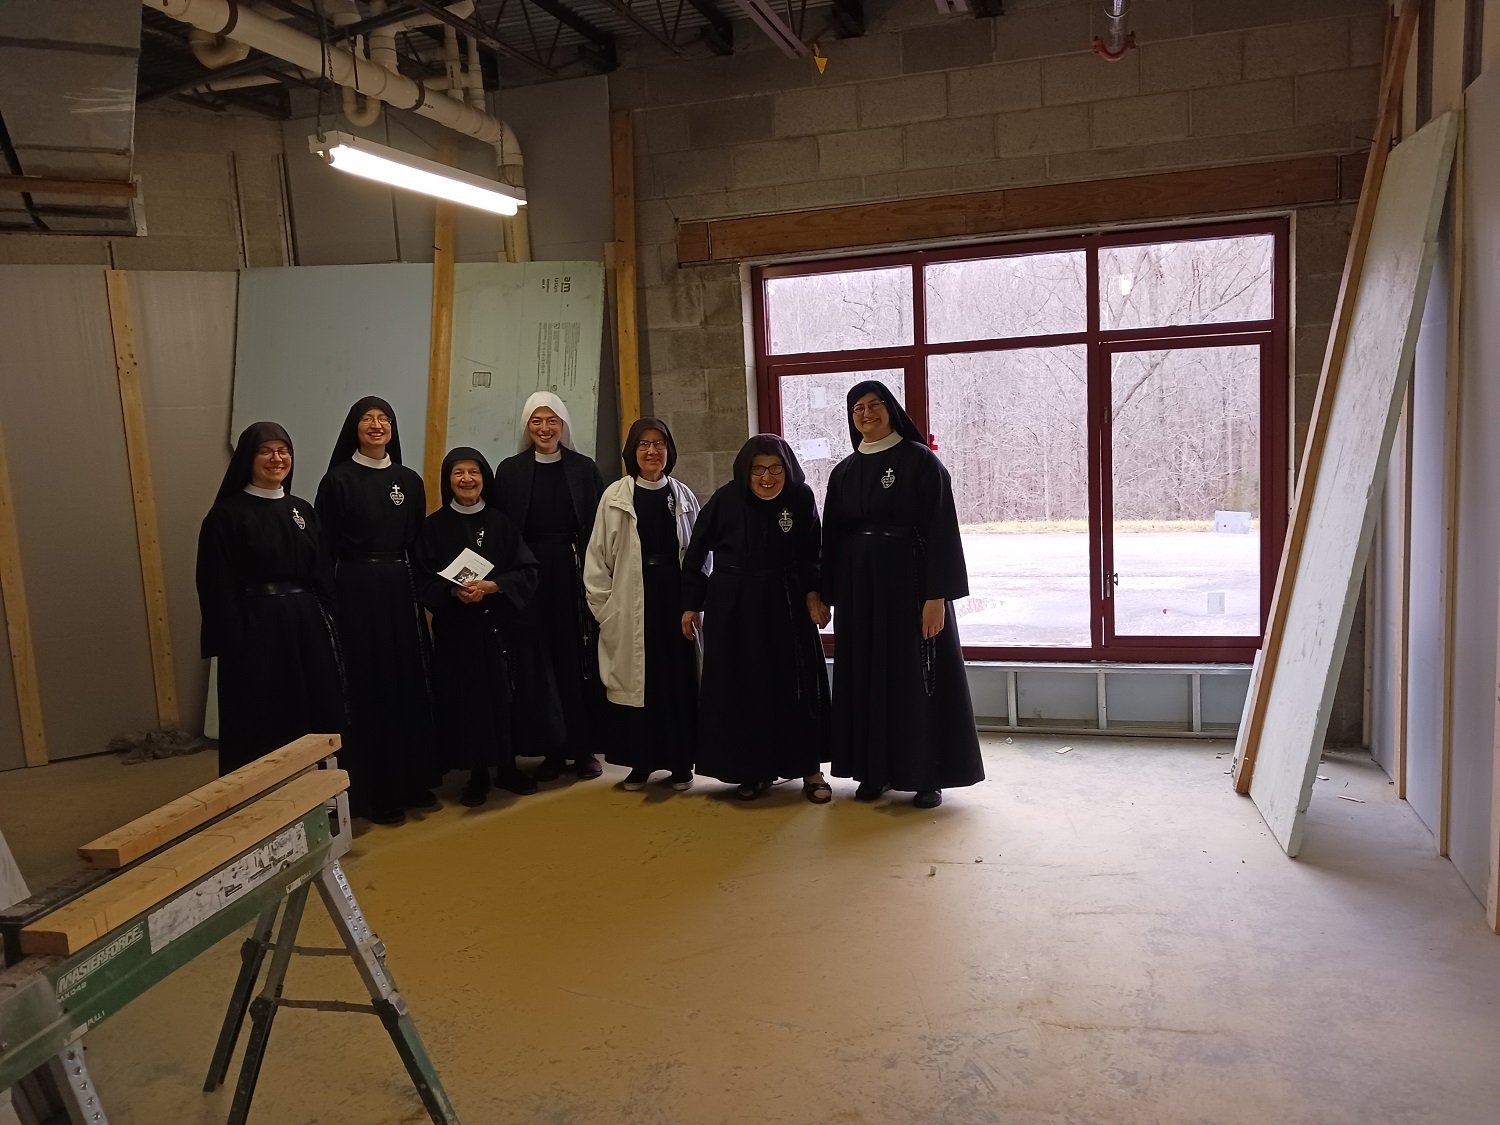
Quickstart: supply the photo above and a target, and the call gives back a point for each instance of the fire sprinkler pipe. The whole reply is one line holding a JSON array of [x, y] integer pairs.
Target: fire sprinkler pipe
[[1116, 42]]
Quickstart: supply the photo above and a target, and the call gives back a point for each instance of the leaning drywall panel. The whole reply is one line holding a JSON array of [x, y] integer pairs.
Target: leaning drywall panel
[[66, 445], [1386, 624], [1425, 625], [1345, 500], [564, 129], [1472, 806], [312, 340], [520, 328], [185, 334], [12, 752]]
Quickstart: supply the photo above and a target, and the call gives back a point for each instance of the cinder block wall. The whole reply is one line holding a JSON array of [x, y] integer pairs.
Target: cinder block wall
[[925, 104], [212, 185]]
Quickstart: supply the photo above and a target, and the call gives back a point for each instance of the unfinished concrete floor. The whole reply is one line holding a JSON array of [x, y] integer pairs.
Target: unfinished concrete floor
[[1103, 937]]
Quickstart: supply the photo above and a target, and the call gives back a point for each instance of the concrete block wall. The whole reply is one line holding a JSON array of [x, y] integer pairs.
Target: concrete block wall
[[212, 185], [925, 104]]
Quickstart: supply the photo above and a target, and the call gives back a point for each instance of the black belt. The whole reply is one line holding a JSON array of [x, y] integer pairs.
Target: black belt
[[377, 557], [885, 529], [273, 589], [658, 560], [553, 537]]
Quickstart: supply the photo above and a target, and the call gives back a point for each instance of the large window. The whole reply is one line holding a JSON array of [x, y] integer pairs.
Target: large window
[[1111, 408]]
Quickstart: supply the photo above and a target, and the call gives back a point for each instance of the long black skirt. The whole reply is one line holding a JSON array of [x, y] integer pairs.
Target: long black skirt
[[471, 682], [763, 710], [281, 683], [901, 710], [661, 735]]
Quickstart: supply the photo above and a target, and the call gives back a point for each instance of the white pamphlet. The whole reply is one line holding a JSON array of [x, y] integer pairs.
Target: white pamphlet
[[467, 567]]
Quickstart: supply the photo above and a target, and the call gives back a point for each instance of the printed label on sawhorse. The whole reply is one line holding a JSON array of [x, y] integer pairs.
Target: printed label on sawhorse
[[239, 878]]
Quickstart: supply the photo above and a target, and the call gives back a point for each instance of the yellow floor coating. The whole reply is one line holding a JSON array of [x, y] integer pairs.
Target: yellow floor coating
[[1107, 936]]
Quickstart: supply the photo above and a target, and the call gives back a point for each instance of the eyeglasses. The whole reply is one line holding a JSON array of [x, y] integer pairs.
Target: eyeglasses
[[764, 470], [647, 446], [285, 454], [863, 408], [373, 419]]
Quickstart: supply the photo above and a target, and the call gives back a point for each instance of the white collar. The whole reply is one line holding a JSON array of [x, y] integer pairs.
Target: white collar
[[891, 439], [370, 462], [651, 485], [472, 510], [276, 493], [547, 458]]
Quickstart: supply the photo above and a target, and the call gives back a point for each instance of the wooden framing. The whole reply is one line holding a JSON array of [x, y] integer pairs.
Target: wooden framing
[[143, 496], [1317, 433], [627, 325], [54, 185], [145, 834], [440, 354], [1262, 185], [18, 625], [89, 917]]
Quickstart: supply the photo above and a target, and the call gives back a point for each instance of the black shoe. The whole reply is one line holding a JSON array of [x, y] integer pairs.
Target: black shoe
[[550, 770], [390, 818], [752, 789], [681, 780], [476, 790], [636, 779], [587, 768], [928, 799], [423, 800], [515, 782], [869, 790]]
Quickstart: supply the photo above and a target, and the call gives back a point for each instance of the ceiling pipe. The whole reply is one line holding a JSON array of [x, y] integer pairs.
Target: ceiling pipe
[[214, 51], [1116, 42]]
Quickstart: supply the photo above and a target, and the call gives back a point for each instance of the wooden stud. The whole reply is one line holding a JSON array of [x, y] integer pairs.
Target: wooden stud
[[89, 917], [440, 357], [54, 185], [622, 162], [143, 497], [1317, 432], [18, 625], [161, 826], [1291, 182]]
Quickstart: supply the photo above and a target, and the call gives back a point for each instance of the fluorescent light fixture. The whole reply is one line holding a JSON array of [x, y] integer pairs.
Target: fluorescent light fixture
[[360, 157]]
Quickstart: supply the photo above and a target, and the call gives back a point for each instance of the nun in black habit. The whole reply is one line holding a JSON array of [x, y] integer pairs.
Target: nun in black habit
[[372, 507], [476, 624], [263, 575], [551, 492], [763, 701], [893, 564]]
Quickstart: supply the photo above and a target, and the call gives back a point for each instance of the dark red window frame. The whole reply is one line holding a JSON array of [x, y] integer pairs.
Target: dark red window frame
[[1271, 335]]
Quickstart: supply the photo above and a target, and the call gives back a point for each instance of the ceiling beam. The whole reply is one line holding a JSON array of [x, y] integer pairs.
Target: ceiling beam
[[602, 44], [718, 33], [474, 31], [624, 8]]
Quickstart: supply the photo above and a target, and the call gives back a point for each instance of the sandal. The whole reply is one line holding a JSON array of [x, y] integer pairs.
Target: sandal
[[818, 792]]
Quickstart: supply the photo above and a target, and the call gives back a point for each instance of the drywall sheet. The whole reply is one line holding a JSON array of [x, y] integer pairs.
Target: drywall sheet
[[313, 339], [520, 328], [1345, 500], [564, 128], [66, 446], [12, 753], [1474, 804], [184, 330]]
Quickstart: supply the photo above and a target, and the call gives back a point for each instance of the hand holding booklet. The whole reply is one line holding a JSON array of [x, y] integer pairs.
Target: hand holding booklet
[[468, 567]]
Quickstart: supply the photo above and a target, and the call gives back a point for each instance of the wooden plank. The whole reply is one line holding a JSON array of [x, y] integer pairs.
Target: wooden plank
[[441, 349], [143, 497], [56, 185], [89, 917], [144, 834], [1248, 740], [1452, 406], [18, 624], [1291, 182], [627, 327], [1343, 502]]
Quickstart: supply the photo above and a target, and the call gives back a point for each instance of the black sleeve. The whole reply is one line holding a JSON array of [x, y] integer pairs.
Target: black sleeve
[[518, 582], [946, 575], [705, 535], [328, 503], [323, 563], [433, 590], [809, 544], [218, 591], [833, 532]]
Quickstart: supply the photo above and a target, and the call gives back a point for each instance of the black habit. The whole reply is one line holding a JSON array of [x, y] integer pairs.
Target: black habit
[[763, 704], [901, 710], [372, 517], [556, 664], [263, 574], [471, 674]]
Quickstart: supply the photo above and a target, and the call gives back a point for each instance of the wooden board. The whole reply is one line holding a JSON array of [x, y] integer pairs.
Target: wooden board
[[1292, 182], [627, 328], [161, 826], [18, 625], [440, 351], [69, 928], [1343, 498], [143, 497]]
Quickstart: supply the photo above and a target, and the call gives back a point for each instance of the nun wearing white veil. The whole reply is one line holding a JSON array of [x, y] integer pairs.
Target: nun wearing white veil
[[551, 492]]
